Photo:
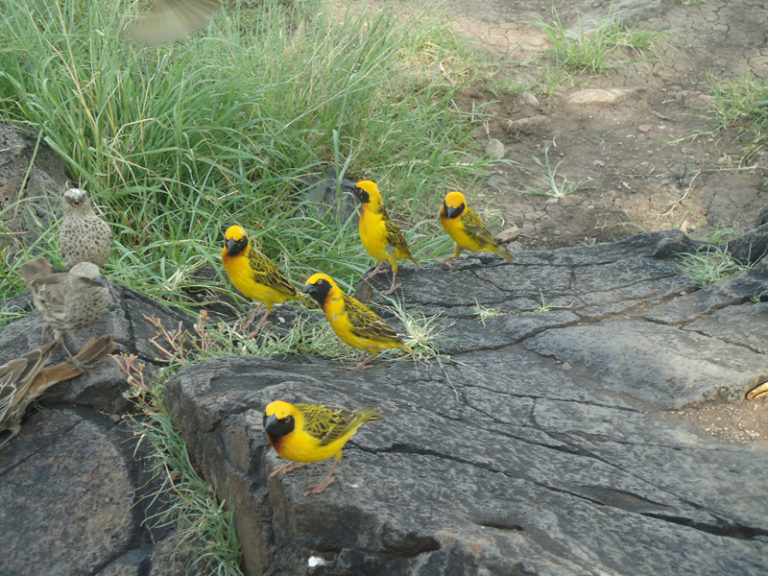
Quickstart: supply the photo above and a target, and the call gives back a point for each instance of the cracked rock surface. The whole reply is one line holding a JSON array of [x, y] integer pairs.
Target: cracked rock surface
[[547, 440]]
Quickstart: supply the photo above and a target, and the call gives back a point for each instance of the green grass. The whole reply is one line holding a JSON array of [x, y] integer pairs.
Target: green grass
[[743, 103], [712, 263], [708, 266], [592, 49], [175, 143], [556, 186], [206, 541]]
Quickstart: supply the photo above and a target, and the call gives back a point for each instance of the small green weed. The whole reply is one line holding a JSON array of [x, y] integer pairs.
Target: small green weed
[[593, 49], [556, 186]]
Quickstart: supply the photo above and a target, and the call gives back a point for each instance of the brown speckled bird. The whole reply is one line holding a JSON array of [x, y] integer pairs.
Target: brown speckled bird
[[24, 379], [169, 20], [83, 236], [68, 301]]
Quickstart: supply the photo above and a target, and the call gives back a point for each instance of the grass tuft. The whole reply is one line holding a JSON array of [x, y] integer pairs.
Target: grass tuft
[[594, 48], [743, 103]]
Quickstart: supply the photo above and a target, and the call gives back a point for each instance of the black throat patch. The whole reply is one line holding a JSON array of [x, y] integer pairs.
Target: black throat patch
[[235, 247], [451, 212], [277, 429], [319, 290]]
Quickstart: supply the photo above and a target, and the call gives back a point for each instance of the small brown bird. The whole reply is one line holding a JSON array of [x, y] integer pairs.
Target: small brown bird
[[24, 379], [83, 236], [68, 301], [169, 20]]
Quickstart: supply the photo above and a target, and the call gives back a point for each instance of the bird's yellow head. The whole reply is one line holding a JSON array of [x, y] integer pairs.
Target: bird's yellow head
[[367, 192], [235, 241], [280, 420], [319, 286], [453, 205]]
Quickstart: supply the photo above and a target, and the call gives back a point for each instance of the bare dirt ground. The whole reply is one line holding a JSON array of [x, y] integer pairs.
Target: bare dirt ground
[[641, 138]]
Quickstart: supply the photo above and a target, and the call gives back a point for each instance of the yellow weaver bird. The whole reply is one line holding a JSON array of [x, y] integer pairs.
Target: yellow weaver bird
[[380, 236], [255, 275], [466, 228], [307, 433], [353, 321]]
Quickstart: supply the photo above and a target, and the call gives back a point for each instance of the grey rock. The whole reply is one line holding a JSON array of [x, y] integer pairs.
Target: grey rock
[[540, 443], [73, 483], [751, 247], [32, 172]]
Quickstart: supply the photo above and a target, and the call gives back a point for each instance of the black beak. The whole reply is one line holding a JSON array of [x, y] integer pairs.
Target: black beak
[[270, 423], [453, 212]]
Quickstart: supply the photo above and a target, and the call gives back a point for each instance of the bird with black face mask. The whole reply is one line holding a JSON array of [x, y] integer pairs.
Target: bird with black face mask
[[305, 433], [466, 229]]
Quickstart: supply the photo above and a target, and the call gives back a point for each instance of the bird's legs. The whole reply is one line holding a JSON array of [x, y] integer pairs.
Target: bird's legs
[[320, 487], [394, 285], [374, 272], [82, 366], [361, 362], [447, 261], [285, 468], [261, 308]]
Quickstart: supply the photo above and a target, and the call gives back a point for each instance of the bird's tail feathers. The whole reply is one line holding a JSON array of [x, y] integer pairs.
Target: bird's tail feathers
[[501, 251], [34, 269], [369, 413]]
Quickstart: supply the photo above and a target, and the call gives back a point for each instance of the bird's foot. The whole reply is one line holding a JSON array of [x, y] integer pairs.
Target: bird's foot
[[285, 468], [315, 489]]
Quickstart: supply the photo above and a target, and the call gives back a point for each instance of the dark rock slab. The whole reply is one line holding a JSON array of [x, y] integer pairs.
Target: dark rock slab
[[73, 484], [540, 443]]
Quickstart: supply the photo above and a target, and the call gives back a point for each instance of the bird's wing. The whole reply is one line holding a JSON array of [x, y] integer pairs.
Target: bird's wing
[[37, 268], [366, 324], [326, 423], [474, 227], [265, 272], [16, 377], [9, 384], [92, 352], [394, 236], [49, 294]]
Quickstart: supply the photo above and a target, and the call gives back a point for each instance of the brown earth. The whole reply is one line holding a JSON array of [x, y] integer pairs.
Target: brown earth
[[641, 139]]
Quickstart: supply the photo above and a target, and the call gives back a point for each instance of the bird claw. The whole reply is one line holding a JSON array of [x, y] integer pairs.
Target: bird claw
[[315, 489], [285, 468]]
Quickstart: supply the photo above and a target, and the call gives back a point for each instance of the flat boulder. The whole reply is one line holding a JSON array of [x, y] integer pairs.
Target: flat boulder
[[546, 437]]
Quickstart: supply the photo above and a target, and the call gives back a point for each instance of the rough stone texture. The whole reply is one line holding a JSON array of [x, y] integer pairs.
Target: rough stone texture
[[541, 443], [73, 485], [32, 172]]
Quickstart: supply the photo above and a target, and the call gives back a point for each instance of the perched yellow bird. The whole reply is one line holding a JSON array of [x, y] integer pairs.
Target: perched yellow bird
[[353, 321], [466, 228], [255, 275], [380, 236], [307, 433]]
